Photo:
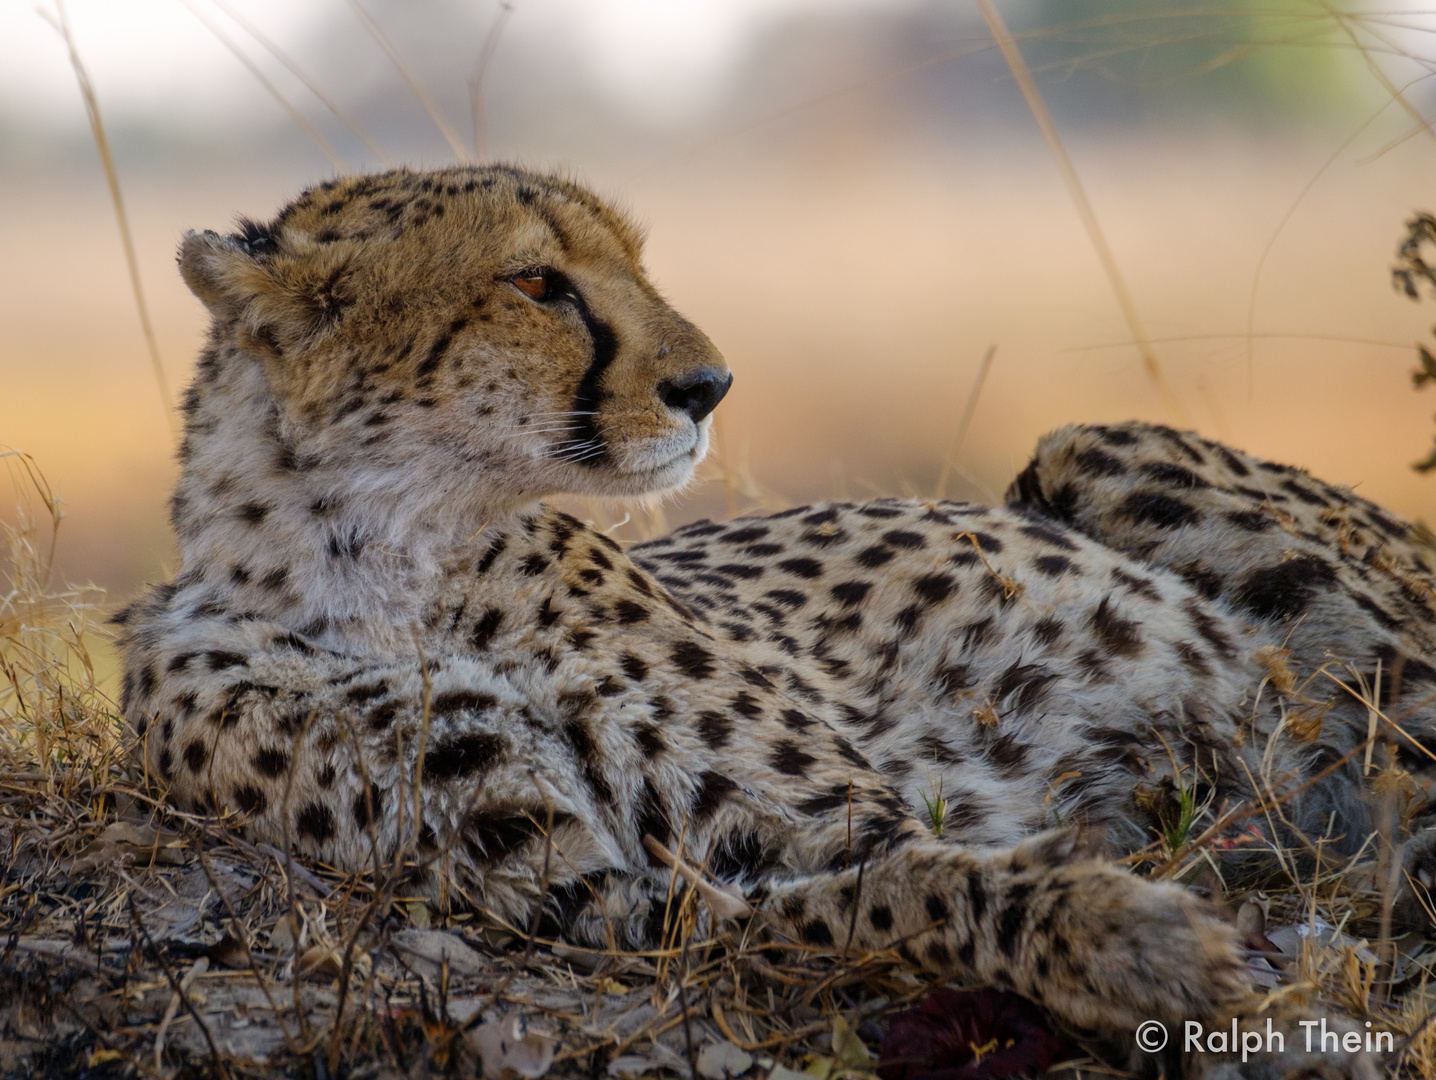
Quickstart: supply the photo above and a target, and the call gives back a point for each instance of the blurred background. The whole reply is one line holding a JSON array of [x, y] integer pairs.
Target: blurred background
[[850, 196]]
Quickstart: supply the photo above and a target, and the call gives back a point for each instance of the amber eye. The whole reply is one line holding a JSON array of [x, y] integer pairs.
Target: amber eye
[[533, 285]]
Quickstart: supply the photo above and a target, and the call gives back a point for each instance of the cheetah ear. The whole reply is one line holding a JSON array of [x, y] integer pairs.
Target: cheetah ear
[[283, 301], [223, 271]]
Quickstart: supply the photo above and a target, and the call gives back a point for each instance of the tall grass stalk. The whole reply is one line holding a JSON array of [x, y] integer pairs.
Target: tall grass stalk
[[300, 120], [1033, 96], [61, 24], [420, 94], [342, 114]]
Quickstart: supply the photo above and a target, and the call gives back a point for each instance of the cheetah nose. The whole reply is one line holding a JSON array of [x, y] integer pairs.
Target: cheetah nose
[[697, 394]]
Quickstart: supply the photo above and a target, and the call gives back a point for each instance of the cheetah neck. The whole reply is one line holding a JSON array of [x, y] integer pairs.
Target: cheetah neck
[[275, 526]]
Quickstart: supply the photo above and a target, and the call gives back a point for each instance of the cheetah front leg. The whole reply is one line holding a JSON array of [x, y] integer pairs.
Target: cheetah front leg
[[1100, 949]]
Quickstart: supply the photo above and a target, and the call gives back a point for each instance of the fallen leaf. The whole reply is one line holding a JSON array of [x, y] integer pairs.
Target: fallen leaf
[[426, 951], [282, 935], [419, 914], [320, 962], [229, 952], [722, 1059], [848, 1048], [126, 842], [782, 1072], [509, 1048], [819, 1068]]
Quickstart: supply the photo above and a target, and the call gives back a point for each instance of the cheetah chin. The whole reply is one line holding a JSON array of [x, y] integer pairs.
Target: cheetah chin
[[375, 610]]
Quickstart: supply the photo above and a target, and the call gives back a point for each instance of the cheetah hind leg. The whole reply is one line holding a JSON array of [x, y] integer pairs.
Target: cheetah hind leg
[[1329, 582]]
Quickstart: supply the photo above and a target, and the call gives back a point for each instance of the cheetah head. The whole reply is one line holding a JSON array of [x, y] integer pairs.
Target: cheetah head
[[479, 328]]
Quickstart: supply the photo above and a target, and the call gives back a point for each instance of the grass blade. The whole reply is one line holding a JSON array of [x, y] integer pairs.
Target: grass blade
[[445, 128], [294, 114], [303, 76], [1033, 96], [61, 24]]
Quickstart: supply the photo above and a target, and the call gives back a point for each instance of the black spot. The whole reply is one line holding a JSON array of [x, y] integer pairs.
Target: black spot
[[456, 701], [1053, 565], [1047, 630], [713, 788], [899, 538], [220, 660], [874, 556], [976, 897], [195, 755], [990, 544], [495, 550], [315, 822], [803, 568], [1048, 535], [1306, 495], [253, 513], [1284, 590], [580, 737], [1206, 625], [789, 598], [934, 588], [1205, 580], [1009, 923], [652, 817], [881, 916], [271, 762], [248, 799], [633, 667], [465, 755], [1168, 472], [978, 633], [1152, 508], [1027, 683], [714, 728], [628, 612], [1118, 635], [1251, 520], [851, 593], [817, 933], [937, 910], [693, 660], [743, 536], [1232, 461], [741, 856], [789, 760], [439, 348], [486, 628], [816, 805], [1141, 586], [649, 739], [1096, 463], [492, 835]]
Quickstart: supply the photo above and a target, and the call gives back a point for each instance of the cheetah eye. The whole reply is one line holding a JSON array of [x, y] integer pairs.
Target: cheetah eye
[[535, 284]]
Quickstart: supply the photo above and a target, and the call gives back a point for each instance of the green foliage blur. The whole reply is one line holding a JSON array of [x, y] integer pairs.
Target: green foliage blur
[[1261, 60]]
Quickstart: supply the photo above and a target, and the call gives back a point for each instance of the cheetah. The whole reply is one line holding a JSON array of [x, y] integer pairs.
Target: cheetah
[[380, 638]]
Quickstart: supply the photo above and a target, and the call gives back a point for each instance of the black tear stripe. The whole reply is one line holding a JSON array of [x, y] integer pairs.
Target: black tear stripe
[[590, 390]]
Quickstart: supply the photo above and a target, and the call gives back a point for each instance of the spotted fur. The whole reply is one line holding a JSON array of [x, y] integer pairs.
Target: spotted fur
[[379, 634]]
